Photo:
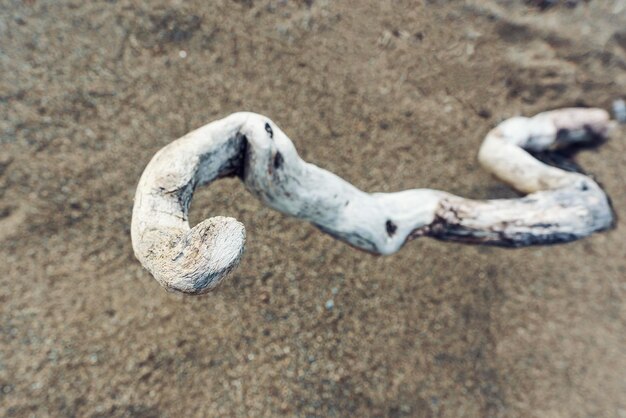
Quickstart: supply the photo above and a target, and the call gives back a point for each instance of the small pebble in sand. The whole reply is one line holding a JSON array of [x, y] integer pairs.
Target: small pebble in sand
[[182, 54], [330, 304], [619, 110]]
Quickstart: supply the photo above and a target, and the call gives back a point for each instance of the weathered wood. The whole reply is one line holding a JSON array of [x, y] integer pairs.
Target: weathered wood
[[560, 206]]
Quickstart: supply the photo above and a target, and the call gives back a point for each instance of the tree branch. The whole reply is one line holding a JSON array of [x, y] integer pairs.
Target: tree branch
[[560, 206]]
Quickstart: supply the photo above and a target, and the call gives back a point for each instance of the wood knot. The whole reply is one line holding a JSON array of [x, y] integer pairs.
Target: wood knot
[[391, 228], [269, 130], [278, 160]]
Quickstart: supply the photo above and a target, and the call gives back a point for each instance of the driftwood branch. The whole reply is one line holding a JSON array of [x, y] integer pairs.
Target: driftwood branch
[[559, 205]]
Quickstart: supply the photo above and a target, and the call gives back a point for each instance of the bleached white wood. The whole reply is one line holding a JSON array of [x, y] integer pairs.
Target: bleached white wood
[[561, 206]]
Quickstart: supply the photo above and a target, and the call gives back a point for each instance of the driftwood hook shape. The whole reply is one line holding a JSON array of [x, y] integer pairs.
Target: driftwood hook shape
[[559, 205]]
